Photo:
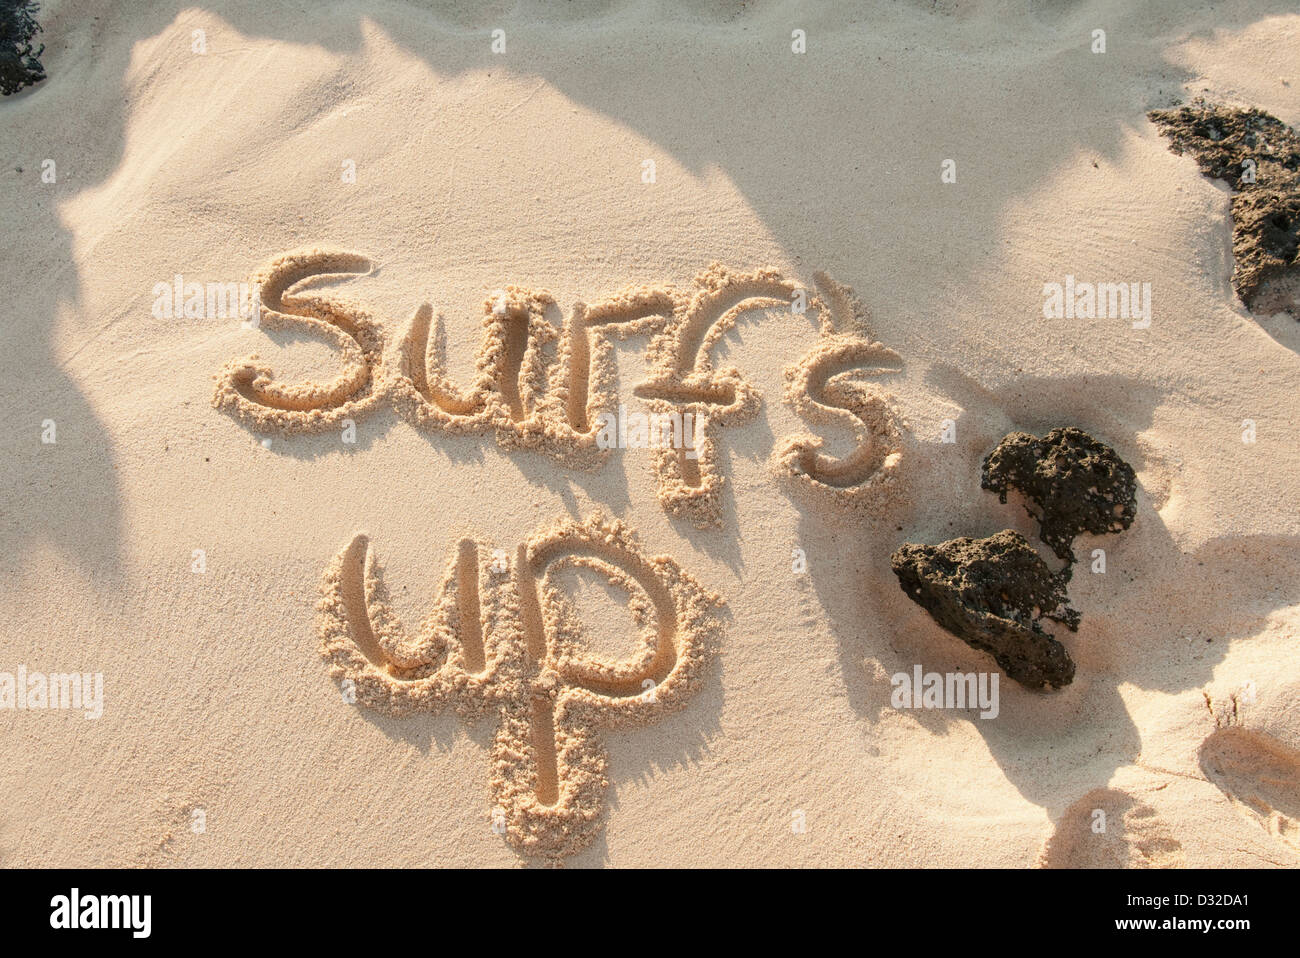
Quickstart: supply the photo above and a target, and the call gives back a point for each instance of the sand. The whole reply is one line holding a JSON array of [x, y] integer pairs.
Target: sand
[[468, 261]]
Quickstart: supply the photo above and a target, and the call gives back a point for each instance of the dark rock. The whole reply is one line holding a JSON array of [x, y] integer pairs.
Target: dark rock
[[1266, 212], [992, 593], [20, 65], [1072, 484]]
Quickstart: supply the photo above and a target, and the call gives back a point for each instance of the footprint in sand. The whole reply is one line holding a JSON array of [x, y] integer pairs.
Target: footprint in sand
[[539, 388], [1260, 775], [1109, 828], [506, 642]]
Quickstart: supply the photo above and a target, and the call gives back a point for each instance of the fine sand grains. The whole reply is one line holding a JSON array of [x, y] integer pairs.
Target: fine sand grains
[[817, 387], [1252, 757], [506, 641]]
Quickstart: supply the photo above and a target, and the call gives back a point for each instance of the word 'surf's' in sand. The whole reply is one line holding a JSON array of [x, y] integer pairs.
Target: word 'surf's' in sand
[[1072, 484], [547, 389], [1259, 157], [991, 593]]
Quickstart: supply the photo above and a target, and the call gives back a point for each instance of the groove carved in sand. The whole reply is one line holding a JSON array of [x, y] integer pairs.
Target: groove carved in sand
[[542, 388], [822, 389], [249, 391], [535, 387], [509, 643]]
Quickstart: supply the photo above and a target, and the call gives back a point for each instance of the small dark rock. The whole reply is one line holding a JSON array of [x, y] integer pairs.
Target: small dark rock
[[1072, 482], [992, 593]]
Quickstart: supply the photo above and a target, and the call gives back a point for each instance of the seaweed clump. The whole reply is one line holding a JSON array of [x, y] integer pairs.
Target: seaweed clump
[[992, 593], [1073, 483], [1259, 157], [20, 66]]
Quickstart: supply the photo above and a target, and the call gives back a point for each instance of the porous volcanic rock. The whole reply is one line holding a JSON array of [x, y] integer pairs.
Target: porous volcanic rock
[[992, 593], [1259, 157], [1071, 482]]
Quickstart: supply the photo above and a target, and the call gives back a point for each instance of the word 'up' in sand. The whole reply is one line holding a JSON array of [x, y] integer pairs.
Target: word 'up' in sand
[[507, 642]]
